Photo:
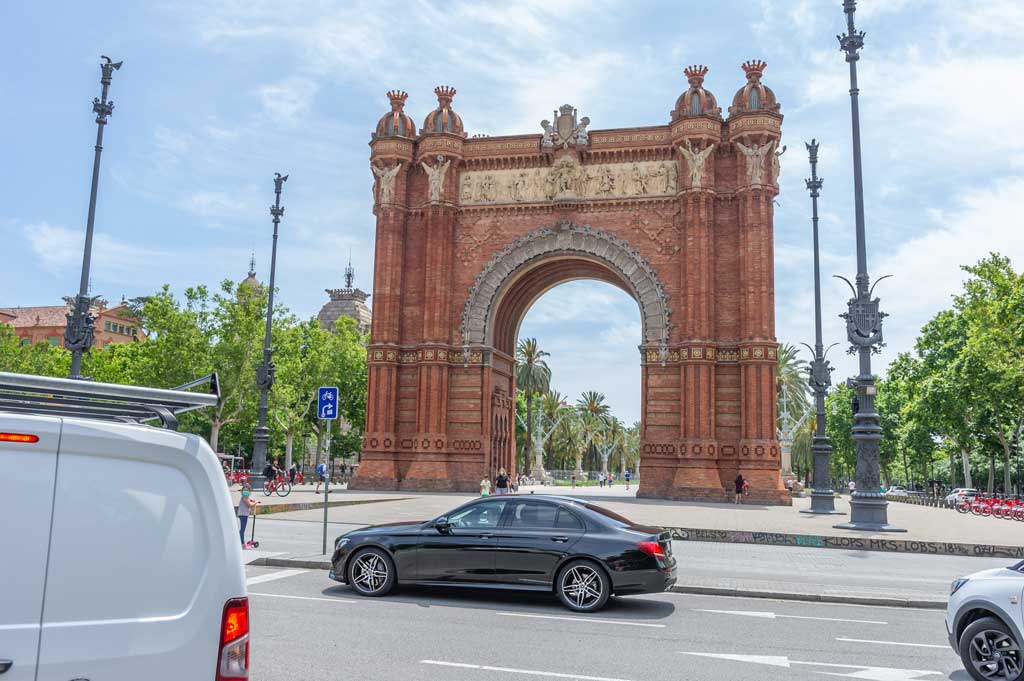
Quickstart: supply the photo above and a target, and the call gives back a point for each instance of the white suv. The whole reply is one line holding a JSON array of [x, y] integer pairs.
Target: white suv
[[121, 558], [984, 621]]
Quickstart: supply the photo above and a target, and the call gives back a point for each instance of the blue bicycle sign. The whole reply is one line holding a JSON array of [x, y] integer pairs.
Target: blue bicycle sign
[[327, 403]]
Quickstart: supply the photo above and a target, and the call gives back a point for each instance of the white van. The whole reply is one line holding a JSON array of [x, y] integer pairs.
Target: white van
[[119, 553]]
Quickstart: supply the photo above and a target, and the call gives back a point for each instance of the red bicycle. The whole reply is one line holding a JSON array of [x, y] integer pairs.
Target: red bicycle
[[280, 485]]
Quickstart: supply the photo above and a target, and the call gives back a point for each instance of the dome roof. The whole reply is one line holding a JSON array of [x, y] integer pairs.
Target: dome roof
[[396, 123], [443, 118], [754, 96], [696, 100]]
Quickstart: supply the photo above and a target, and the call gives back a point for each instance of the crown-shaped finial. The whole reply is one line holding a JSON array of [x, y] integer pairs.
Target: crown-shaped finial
[[754, 68], [696, 74], [397, 98], [444, 93]]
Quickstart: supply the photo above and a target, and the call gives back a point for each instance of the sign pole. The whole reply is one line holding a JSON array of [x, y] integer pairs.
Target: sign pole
[[327, 484]]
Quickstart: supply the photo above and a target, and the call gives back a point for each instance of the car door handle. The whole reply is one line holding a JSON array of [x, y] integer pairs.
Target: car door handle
[[560, 539], [5, 665], [486, 535]]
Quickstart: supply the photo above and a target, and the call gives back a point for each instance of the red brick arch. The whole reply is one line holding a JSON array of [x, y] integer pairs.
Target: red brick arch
[[471, 231]]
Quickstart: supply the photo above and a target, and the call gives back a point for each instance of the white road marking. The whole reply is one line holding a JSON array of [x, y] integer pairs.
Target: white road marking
[[303, 598], [270, 577], [893, 643], [529, 672], [581, 619], [772, 616], [869, 672]]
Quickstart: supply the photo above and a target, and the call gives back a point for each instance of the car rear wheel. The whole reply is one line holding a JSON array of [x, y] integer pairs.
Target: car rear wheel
[[990, 652], [582, 586], [371, 573]]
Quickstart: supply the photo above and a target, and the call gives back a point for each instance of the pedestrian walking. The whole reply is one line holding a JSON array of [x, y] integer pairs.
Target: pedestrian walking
[[740, 484], [321, 476], [629, 476], [245, 505], [292, 472], [611, 478], [501, 482], [485, 487], [600, 479], [853, 487], [574, 481]]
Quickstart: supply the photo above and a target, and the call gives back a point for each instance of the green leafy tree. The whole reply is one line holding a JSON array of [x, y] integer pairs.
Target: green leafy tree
[[791, 379]]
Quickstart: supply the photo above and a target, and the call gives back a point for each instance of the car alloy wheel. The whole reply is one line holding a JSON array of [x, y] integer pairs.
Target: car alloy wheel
[[583, 587], [989, 651], [371, 573]]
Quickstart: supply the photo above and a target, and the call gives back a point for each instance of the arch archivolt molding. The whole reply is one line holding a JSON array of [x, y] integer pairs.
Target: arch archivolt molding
[[567, 239]]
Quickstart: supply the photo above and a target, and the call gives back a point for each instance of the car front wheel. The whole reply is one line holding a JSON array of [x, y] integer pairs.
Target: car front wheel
[[371, 572], [990, 652], [582, 586]]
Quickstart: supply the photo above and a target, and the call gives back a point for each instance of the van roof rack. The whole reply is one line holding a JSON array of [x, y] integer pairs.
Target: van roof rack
[[44, 395]]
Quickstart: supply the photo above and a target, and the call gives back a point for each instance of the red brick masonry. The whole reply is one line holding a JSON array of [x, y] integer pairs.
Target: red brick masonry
[[471, 231]]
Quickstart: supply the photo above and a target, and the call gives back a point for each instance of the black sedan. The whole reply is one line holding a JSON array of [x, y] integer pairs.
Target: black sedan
[[582, 552]]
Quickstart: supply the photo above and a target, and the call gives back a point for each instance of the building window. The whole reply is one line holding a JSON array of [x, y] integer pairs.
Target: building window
[[120, 328], [106, 326], [53, 340], [755, 98], [26, 341], [695, 103], [135, 331]]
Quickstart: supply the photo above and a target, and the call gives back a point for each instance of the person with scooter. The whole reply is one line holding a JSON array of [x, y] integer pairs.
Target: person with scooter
[[245, 506]]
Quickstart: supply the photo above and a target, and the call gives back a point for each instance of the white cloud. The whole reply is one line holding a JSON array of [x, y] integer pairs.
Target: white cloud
[[286, 100], [59, 248], [216, 204]]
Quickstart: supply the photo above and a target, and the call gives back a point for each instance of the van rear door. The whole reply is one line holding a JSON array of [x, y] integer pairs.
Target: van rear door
[[144, 555], [27, 472]]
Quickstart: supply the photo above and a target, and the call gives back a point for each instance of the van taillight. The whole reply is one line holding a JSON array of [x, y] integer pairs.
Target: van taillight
[[18, 437], [652, 548], [233, 661]]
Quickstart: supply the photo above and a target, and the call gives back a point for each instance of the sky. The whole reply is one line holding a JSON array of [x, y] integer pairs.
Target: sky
[[217, 95]]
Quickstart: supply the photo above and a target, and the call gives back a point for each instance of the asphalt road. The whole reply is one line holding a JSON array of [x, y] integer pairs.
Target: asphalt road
[[305, 626]]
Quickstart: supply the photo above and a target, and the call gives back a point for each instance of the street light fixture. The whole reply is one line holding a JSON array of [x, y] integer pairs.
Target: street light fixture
[[265, 372], [78, 333], [820, 371], [868, 507]]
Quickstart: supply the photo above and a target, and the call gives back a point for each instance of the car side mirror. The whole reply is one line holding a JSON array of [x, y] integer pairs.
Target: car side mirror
[[442, 525]]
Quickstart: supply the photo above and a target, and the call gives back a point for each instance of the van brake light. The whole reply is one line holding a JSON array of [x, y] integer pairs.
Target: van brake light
[[18, 437], [233, 661]]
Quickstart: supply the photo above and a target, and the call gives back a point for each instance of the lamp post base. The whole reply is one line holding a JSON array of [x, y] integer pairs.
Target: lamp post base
[[823, 502], [260, 439], [868, 514]]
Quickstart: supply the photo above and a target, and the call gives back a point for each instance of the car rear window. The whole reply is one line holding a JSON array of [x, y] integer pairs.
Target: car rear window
[[610, 515]]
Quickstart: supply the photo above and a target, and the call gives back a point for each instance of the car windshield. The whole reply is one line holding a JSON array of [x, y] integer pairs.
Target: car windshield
[[611, 515]]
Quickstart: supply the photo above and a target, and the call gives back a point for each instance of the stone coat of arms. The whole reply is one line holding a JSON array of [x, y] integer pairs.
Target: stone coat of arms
[[567, 131]]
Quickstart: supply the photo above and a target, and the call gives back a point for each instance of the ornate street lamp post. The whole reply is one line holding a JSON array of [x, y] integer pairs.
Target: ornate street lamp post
[[868, 507], [78, 332], [820, 371], [265, 372]]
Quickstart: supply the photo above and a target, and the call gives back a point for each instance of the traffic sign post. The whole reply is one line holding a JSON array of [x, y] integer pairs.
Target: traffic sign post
[[327, 410]]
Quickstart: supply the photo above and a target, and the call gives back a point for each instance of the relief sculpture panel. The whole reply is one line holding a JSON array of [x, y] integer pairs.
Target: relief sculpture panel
[[567, 179]]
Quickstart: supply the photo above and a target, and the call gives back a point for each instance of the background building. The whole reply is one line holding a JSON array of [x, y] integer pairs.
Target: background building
[[35, 324], [346, 302]]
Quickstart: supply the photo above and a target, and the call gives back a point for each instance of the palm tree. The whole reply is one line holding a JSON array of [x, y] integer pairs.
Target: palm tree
[[552, 407], [594, 414], [614, 441], [791, 379], [533, 377], [631, 449]]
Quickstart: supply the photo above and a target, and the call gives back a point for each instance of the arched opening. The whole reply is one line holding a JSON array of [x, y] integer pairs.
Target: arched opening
[[590, 329]]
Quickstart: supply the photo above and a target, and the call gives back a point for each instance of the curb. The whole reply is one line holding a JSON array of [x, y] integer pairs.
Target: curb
[[265, 509], [924, 604], [847, 543], [324, 564]]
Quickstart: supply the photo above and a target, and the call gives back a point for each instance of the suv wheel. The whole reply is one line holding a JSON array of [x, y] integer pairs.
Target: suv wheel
[[583, 587], [990, 652], [371, 573]]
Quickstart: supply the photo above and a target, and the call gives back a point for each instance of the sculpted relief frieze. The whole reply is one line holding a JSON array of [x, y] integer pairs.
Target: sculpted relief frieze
[[567, 179]]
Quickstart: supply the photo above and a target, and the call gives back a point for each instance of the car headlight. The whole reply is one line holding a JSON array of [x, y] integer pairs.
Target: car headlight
[[955, 586]]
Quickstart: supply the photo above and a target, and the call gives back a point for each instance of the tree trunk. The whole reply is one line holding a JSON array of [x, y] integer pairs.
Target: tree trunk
[[214, 435], [965, 457], [288, 439], [319, 445], [991, 472], [529, 427], [1007, 482]]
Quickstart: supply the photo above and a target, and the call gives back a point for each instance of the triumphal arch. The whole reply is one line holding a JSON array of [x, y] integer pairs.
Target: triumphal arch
[[472, 230]]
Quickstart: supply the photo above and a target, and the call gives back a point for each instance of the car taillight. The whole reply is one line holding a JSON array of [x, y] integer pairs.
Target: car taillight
[[18, 437], [652, 548], [233, 661]]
